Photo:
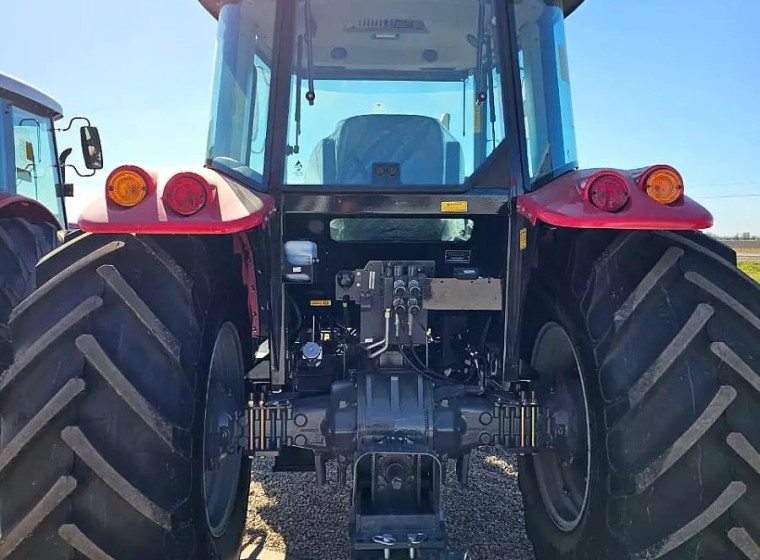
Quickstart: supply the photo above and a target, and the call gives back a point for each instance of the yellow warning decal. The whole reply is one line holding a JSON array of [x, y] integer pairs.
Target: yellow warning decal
[[320, 303], [454, 206], [523, 239]]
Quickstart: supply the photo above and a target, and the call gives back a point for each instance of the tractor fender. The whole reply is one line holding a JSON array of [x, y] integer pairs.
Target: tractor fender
[[17, 206], [233, 208], [563, 203]]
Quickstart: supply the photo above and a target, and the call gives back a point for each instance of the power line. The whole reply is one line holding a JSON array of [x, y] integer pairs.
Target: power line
[[747, 195], [750, 186], [731, 184]]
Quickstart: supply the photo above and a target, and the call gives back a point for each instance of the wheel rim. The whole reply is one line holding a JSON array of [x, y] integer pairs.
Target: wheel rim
[[563, 473], [222, 456]]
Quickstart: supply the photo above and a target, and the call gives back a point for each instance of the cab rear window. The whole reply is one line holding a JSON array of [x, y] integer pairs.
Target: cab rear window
[[416, 230]]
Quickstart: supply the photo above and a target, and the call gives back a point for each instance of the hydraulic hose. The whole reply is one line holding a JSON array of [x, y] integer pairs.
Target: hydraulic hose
[[386, 340]]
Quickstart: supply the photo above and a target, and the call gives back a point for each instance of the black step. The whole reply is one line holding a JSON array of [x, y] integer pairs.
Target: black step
[[294, 459]]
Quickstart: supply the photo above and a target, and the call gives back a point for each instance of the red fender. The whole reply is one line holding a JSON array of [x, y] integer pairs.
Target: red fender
[[17, 206], [563, 203], [233, 208]]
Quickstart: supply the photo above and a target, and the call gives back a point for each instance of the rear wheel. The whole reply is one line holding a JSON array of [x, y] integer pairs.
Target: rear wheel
[[22, 244], [121, 412], [662, 332]]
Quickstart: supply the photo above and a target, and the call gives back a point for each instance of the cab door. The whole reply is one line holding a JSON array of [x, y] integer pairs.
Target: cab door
[[7, 179], [35, 172]]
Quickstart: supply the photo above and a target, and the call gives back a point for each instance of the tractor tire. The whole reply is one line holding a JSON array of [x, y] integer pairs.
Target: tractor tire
[[104, 451], [22, 244], [663, 334]]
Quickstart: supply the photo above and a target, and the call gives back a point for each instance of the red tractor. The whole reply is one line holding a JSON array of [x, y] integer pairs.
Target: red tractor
[[32, 190], [389, 258]]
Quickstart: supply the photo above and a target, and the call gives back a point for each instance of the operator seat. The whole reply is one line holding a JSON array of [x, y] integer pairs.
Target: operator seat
[[425, 152]]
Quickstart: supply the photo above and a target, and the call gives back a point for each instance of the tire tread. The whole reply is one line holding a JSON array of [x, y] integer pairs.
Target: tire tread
[[22, 244], [669, 328], [58, 492], [733, 492], [119, 411], [85, 450], [77, 540]]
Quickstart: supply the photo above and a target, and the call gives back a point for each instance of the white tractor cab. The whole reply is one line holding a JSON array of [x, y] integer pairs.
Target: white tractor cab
[[32, 188], [30, 164]]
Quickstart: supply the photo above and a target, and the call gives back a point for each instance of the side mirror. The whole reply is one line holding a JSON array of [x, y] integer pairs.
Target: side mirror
[[92, 151]]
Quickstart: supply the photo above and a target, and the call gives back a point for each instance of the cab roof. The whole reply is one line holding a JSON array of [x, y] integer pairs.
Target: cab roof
[[212, 6], [24, 93]]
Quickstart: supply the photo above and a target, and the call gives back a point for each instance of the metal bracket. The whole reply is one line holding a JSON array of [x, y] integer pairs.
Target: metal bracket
[[65, 190]]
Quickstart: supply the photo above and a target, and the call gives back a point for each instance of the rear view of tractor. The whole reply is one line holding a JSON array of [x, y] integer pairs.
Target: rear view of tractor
[[32, 190], [389, 259]]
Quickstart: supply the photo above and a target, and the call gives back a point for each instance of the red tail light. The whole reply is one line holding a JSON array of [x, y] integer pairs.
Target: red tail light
[[187, 193], [607, 191]]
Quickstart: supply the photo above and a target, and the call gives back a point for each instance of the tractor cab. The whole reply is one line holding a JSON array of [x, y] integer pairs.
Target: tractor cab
[[30, 164], [396, 94]]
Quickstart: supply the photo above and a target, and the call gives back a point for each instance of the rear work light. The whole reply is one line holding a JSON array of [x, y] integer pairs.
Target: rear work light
[[128, 185], [607, 191], [663, 184], [187, 193]]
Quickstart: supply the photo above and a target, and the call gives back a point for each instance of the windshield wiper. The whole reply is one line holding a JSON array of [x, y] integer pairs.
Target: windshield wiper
[[490, 86], [481, 95], [310, 95]]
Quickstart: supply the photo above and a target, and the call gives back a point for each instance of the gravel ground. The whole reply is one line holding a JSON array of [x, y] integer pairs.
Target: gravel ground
[[307, 522]]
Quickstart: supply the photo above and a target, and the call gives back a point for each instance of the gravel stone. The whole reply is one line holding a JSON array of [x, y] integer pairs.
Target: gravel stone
[[307, 522]]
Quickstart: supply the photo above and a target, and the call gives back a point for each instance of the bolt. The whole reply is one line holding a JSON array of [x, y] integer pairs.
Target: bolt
[[224, 435], [414, 539], [387, 541]]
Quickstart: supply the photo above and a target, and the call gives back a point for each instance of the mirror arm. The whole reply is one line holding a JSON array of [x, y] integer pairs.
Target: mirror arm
[[77, 170], [62, 157], [71, 123]]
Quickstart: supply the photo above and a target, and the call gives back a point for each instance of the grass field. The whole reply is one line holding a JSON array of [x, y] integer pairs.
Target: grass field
[[751, 268]]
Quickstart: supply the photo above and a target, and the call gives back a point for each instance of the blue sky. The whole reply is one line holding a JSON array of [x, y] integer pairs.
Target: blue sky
[[671, 81]]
